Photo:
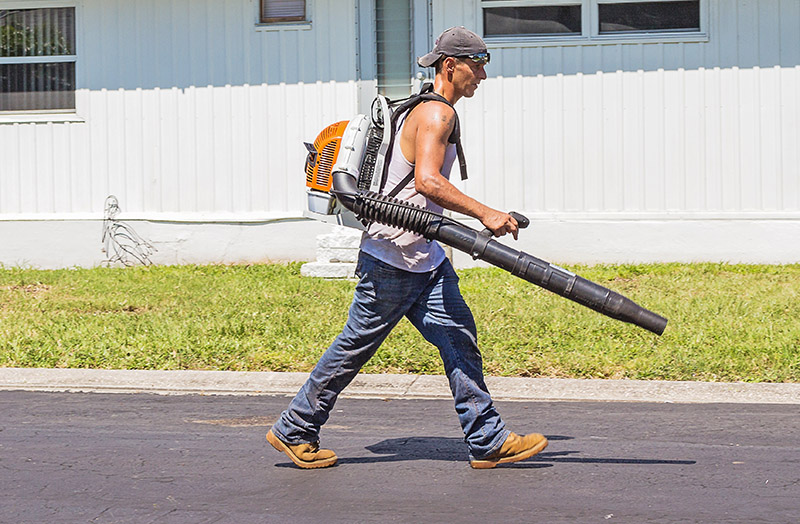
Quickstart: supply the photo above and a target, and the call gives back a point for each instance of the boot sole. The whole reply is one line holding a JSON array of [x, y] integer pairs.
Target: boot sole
[[528, 453], [280, 446]]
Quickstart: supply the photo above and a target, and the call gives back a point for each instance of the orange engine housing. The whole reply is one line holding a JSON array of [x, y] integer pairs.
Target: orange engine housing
[[320, 160]]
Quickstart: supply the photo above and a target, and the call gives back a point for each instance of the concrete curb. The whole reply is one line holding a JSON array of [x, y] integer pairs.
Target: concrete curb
[[392, 386]]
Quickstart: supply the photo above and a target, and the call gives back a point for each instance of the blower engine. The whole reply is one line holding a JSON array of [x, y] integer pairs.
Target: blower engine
[[344, 171], [357, 147]]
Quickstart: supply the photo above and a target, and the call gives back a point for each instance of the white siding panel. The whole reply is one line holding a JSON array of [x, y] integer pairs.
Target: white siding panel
[[572, 145], [277, 144], [133, 152], [511, 166], [10, 169], [632, 140], [671, 185], [115, 169], [533, 133], [257, 131], [98, 155], [665, 128], [495, 148], [186, 157], [749, 139], [169, 159], [29, 163], [221, 143], [712, 146], [694, 141], [730, 113], [59, 167], [613, 142], [553, 143], [769, 137], [790, 138], [592, 146], [656, 111]]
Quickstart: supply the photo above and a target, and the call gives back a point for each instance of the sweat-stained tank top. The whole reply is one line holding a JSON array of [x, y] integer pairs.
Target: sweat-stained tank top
[[398, 248]]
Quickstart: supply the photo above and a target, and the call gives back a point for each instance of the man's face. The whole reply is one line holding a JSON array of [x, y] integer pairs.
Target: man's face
[[467, 76]]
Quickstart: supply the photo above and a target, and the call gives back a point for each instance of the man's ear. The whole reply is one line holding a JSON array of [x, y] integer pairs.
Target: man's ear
[[449, 64]]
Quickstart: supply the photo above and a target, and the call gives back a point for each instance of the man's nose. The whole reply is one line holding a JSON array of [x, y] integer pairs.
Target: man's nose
[[482, 73]]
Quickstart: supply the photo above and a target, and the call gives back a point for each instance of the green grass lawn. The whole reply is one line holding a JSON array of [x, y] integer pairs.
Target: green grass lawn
[[726, 322]]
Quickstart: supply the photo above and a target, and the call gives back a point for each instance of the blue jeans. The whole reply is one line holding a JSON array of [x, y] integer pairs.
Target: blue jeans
[[434, 305]]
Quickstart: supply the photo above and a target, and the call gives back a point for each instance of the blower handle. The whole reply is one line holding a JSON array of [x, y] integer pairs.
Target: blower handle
[[522, 220], [522, 223], [482, 239]]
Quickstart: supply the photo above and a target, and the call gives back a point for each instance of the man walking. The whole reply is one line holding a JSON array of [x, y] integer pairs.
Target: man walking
[[402, 274]]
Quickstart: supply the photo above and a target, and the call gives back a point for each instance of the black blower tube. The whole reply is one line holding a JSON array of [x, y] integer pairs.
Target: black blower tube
[[373, 207]]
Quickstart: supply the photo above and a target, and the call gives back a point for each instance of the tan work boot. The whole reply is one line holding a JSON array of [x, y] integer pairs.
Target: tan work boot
[[514, 449], [306, 456]]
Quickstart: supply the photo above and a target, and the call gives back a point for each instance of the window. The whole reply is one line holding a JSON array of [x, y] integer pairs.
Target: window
[[591, 19], [532, 20], [37, 59], [276, 11], [649, 17], [393, 47]]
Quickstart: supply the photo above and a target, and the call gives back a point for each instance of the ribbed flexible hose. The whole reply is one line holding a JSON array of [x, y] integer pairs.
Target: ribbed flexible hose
[[374, 207]]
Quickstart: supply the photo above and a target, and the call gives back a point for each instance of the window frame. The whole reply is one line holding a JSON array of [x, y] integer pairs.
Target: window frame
[[48, 115], [283, 25], [590, 26]]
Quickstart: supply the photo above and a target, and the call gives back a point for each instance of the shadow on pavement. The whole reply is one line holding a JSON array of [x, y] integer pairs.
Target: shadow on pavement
[[560, 456], [454, 450]]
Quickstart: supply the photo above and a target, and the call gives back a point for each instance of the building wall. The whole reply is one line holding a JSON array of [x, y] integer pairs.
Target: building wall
[[194, 118], [643, 130], [186, 109]]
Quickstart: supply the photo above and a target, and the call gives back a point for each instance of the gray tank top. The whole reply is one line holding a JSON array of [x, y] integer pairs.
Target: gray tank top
[[398, 248]]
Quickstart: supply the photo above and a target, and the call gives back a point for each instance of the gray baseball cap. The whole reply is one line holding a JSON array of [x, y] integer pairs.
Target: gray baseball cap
[[456, 41]]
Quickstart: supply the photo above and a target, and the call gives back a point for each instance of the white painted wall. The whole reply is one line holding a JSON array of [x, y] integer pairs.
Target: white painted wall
[[193, 116]]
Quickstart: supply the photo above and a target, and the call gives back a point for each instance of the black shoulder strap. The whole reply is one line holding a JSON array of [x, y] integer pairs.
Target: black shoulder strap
[[403, 183]]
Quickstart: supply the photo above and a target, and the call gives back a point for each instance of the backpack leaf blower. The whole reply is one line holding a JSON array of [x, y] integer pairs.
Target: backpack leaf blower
[[341, 170]]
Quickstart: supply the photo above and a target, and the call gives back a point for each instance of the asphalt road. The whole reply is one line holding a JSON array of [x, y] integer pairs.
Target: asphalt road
[[140, 458]]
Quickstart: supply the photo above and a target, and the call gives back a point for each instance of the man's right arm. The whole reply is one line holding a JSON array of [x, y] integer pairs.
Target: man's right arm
[[434, 125]]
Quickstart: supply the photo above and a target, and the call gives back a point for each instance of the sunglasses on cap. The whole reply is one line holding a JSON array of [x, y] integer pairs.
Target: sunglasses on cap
[[478, 58]]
